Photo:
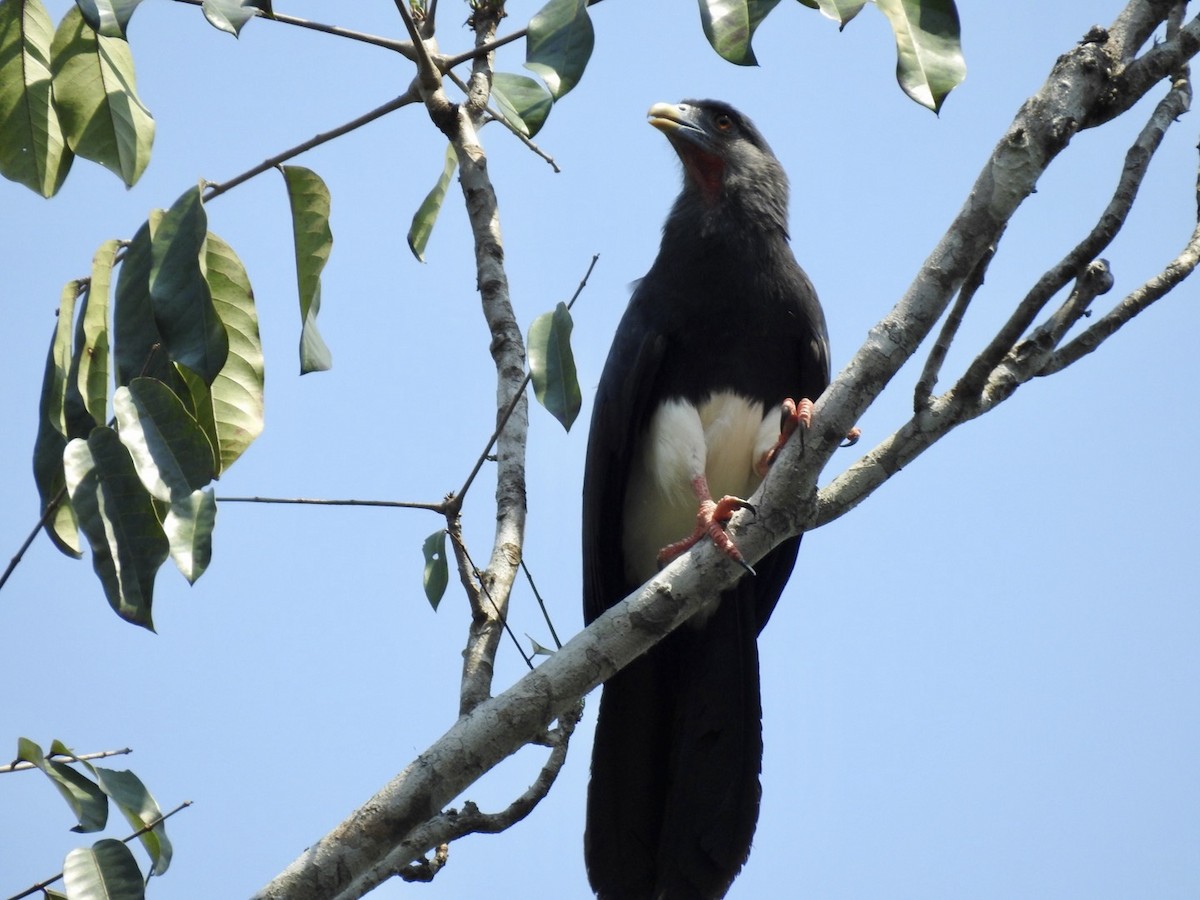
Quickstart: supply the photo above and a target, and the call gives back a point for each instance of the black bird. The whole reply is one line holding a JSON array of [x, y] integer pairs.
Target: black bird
[[719, 336]]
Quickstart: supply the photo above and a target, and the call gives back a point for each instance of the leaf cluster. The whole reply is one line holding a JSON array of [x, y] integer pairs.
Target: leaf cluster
[[108, 867]]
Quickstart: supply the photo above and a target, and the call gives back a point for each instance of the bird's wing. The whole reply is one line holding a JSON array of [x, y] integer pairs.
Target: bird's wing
[[622, 407]]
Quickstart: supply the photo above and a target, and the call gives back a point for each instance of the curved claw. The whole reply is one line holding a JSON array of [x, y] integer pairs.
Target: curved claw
[[710, 522]]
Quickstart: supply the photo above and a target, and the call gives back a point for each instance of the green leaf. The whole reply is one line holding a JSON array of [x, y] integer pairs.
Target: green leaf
[[106, 870], [729, 26], [523, 102], [171, 452], [198, 402], [437, 572], [929, 59], [841, 11], [91, 337], [53, 432], [139, 348], [117, 515], [183, 307], [95, 93], [108, 17], [309, 199], [87, 801], [552, 365], [559, 44], [538, 649], [426, 215], [32, 149], [189, 526], [230, 15], [237, 391], [139, 809]]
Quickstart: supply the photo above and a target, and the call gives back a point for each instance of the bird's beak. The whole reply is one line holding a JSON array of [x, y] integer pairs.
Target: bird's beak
[[672, 118]]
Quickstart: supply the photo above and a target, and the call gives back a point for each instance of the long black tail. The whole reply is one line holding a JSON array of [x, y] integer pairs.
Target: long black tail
[[674, 793]]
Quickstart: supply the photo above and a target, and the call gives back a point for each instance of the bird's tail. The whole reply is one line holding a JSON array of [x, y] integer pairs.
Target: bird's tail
[[674, 793]]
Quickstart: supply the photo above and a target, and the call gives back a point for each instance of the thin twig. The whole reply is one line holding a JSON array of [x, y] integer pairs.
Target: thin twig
[[456, 537], [541, 604], [937, 356], [439, 507], [214, 189], [47, 514], [22, 766], [1133, 172], [1157, 287], [495, 116], [403, 47], [452, 824], [515, 399]]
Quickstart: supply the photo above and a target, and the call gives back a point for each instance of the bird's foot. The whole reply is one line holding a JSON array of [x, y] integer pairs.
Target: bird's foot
[[711, 520], [852, 437], [793, 414]]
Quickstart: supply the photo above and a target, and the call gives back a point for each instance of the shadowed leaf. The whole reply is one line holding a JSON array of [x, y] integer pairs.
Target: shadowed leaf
[[33, 151], [426, 215], [841, 11], [139, 809], [552, 364], [105, 870], [309, 199], [183, 307], [88, 803], [929, 60], [189, 526], [117, 515], [95, 93], [91, 337], [53, 432], [231, 16], [170, 451], [237, 391], [525, 103], [729, 26], [559, 44], [437, 572], [108, 17]]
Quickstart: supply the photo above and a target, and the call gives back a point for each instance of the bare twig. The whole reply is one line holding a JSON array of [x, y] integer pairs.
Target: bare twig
[[512, 405], [937, 356], [214, 189], [22, 766], [451, 825], [1155, 289], [403, 47], [439, 507], [541, 605], [1133, 172], [47, 515]]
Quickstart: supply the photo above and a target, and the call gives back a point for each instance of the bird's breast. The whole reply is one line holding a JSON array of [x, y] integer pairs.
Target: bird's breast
[[721, 438]]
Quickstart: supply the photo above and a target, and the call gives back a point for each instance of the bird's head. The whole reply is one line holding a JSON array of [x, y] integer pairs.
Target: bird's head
[[729, 169]]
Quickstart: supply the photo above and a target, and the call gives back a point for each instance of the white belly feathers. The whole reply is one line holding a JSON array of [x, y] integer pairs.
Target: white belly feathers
[[721, 439]]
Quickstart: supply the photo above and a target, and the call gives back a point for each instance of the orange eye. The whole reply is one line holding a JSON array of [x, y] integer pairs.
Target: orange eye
[[724, 123]]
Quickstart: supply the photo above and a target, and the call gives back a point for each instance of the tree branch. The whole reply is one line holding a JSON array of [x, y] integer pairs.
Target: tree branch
[[1079, 90], [403, 47]]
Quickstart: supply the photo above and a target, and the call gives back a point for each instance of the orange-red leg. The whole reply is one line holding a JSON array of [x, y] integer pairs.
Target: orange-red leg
[[711, 520]]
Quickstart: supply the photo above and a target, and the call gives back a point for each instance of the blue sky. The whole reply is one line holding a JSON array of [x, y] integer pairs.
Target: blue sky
[[980, 683]]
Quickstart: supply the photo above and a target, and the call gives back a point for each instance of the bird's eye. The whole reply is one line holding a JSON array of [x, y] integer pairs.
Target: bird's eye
[[724, 123]]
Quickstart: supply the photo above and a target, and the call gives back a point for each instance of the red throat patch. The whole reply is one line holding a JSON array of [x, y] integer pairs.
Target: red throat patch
[[706, 170]]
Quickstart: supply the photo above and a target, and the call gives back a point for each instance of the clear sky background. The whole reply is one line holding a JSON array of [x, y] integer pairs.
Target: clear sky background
[[981, 683]]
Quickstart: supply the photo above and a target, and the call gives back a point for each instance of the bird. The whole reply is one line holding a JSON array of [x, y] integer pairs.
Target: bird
[[716, 361]]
